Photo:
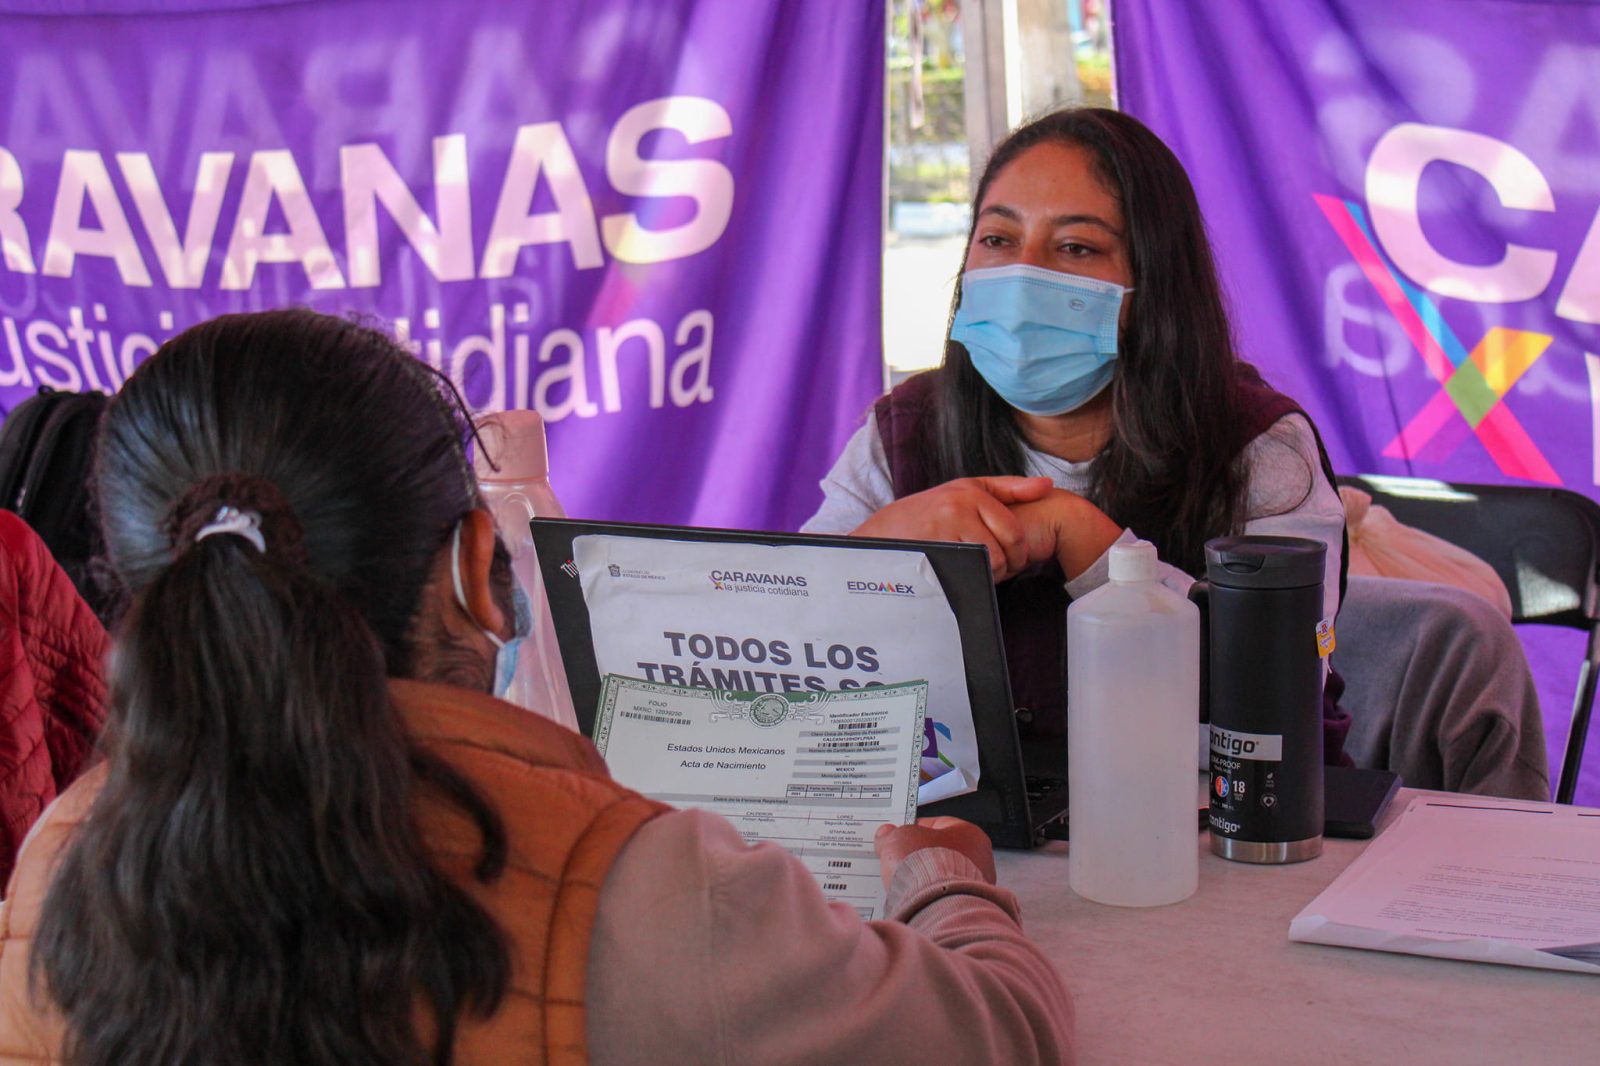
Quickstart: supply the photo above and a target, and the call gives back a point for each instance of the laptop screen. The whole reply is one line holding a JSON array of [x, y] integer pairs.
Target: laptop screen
[[1000, 803]]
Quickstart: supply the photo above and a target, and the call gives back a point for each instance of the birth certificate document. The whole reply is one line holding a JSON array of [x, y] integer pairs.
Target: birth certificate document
[[815, 772]]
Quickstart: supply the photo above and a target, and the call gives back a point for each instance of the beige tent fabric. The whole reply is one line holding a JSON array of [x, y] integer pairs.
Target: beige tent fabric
[[1382, 546]]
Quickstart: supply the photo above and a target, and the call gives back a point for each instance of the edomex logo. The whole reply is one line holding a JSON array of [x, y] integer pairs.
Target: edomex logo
[[1408, 269], [881, 588]]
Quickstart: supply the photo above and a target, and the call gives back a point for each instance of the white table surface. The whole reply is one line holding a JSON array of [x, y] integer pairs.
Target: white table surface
[[1216, 980]]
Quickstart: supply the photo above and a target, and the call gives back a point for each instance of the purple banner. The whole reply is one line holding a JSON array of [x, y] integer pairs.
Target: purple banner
[[1405, 201], [658, 222]]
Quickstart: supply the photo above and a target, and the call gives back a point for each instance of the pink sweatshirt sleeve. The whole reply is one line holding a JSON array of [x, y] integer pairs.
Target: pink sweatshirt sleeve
[[706, 950]]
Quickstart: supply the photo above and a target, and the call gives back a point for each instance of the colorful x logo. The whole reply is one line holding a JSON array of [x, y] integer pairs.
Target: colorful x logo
[[1472, 384]]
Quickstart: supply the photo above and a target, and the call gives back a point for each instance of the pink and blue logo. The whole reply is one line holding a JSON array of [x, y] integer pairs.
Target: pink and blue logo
[[1472, 385]]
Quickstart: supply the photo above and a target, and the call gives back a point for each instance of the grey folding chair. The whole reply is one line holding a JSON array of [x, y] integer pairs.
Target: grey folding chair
[[1545, 545]]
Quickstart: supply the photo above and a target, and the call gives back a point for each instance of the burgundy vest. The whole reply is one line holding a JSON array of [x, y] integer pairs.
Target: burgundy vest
[[1033, 605]]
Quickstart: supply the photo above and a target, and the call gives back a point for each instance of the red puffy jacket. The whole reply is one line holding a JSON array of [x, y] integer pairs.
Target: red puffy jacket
[[52, 682]]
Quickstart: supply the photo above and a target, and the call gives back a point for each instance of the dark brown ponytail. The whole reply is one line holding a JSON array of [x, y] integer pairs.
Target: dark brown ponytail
[[250, 885]]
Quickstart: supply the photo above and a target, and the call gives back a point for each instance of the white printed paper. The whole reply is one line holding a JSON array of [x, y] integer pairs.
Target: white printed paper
[[816, 772], [1474, 878], [784, 619]]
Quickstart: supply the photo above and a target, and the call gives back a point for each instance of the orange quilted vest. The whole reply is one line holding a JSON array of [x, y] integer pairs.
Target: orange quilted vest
[[565, 819]]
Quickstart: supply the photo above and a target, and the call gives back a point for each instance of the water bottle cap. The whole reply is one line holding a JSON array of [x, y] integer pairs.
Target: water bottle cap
[[514, 440], [1133, 562], [1262, 562]]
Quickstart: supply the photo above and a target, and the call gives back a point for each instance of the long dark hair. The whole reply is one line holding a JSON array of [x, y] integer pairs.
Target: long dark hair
[[250, 884], [1168, 471]]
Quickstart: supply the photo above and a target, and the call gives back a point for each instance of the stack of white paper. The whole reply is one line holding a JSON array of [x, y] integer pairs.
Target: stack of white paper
[[1468, 877]]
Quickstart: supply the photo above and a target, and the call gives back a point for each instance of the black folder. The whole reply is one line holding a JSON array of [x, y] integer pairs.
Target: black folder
[[1017, 803]]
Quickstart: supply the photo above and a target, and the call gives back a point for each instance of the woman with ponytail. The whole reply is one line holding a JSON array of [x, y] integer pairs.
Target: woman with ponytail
[[315, 837]]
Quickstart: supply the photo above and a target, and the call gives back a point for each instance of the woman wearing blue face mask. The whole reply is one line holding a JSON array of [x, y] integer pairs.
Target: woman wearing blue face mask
[[1090, 393]]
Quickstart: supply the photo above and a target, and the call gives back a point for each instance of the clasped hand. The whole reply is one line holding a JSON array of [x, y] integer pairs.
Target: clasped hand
[[1020, 520]]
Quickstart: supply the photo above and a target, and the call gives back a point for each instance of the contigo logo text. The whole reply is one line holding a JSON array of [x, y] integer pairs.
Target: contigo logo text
[[1263, 747]]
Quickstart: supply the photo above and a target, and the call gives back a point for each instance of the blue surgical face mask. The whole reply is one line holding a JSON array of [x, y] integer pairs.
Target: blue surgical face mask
[[1045, 341], [505, 655]]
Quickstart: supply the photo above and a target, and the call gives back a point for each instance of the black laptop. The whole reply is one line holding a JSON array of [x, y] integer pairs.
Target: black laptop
[[1019, 802]]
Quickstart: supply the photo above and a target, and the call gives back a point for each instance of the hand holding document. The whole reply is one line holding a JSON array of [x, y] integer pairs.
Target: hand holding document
[[1474, 878], [816, 772]]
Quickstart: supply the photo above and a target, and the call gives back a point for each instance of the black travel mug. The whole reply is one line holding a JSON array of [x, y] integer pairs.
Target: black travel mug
[[1263, 599]]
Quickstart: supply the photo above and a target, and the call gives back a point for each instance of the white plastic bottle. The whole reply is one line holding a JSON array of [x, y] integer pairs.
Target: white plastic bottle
[[1133, 678], [519, 490]]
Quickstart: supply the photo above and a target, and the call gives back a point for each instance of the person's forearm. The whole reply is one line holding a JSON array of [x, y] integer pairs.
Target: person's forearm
[[1026, 1007], [762, 969]]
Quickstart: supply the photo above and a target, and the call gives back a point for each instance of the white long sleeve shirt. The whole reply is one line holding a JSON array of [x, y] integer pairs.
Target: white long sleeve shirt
[[1287, 496]]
